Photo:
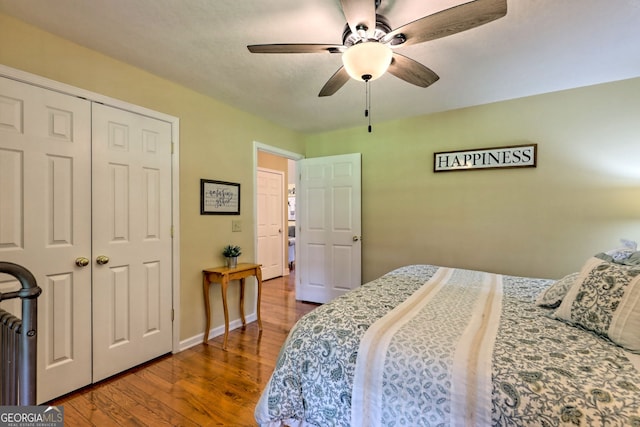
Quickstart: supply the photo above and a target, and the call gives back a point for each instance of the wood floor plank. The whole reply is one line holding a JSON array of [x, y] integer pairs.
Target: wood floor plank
[[201, 386]]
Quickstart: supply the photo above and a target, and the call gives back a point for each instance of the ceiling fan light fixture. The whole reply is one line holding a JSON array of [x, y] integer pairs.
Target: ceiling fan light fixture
[[367, 60]]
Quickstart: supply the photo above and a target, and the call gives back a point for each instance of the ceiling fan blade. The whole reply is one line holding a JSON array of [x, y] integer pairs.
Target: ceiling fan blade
[[411, 71], [449, 21], [336, 81], [360, 13], [296, 48]]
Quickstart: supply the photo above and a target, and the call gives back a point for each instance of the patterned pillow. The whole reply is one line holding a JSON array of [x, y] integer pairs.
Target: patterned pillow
[[634, 259], [605, 299], [623, 252], [553, 295]]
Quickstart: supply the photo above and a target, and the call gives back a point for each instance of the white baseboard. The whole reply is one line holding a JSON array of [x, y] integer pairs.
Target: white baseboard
[[215, 332]]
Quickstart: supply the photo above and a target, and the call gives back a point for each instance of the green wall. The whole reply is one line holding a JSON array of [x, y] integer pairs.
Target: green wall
[[582, 198]]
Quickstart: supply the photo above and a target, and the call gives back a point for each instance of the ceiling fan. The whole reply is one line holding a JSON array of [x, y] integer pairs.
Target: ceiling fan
[[368, 41]]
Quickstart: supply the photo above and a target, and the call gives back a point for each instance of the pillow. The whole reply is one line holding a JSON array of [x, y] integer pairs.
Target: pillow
[[628, 247], [605, 299], [629, 244], [553, 295], [634, 259]]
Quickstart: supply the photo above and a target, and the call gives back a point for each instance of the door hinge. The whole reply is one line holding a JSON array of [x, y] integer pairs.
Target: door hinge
[[173, 314], [173, 147], [172, 231]]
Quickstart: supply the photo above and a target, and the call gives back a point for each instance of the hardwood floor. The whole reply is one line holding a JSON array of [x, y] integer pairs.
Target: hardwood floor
[[201, 386]]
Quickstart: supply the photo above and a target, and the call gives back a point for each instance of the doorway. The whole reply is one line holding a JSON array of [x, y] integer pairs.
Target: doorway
[[328, 230], [269, 162]]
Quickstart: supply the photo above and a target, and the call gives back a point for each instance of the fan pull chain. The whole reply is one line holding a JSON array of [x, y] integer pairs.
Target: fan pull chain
[[366, 98], [367, 111]]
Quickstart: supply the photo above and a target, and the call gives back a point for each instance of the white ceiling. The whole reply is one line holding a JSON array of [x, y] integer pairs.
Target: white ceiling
[[540, 46]]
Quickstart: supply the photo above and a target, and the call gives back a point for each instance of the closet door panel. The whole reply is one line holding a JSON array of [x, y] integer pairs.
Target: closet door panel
[[45, 223], [131, 223]]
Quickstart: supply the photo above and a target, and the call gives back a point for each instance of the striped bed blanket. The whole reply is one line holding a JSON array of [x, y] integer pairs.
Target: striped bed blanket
[[433, 346]]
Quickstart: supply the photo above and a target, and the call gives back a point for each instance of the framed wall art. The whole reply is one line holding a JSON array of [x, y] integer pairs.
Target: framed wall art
[[516, 156], [219, 197]]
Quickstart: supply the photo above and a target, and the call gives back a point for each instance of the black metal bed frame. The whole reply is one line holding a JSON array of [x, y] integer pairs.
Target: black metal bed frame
[[18, 336]]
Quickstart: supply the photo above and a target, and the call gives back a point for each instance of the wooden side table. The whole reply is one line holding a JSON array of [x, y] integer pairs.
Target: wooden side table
[[223, 275]]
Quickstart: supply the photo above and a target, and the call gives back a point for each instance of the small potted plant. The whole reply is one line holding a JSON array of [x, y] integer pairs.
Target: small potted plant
[[231, 254]]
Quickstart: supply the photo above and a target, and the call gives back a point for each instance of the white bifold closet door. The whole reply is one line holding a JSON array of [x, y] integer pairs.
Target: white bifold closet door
[[106, 300], [131, 239], [45, 222]]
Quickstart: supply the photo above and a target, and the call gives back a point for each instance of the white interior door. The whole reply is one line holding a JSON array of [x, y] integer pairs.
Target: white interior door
[[270, 210], [328, 248], [45, 223], [132, 230]]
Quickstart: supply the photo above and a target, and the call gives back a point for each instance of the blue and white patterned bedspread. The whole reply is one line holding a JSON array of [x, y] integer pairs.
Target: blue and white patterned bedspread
[[427, 346]]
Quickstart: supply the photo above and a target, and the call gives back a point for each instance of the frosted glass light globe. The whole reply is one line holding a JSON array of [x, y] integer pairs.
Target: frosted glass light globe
[[367, 60]]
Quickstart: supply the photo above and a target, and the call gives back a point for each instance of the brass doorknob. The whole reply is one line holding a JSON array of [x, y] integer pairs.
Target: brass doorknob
[[356, 238], [82, 261], [102, 259]]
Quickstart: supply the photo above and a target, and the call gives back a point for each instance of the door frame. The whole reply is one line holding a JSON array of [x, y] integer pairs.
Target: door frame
[[46, 83], [259, 146]]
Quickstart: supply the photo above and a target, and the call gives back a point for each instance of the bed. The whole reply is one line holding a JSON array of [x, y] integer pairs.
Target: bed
[[425, 345]]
